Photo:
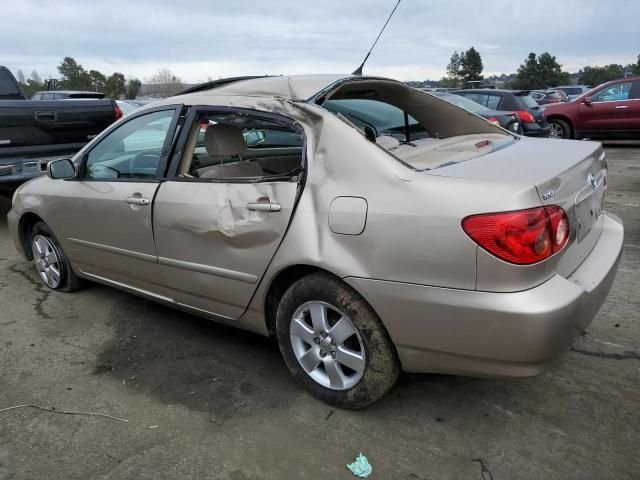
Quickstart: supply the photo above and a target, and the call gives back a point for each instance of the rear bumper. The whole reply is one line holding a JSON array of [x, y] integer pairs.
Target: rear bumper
[[476, 333], [535, 130]]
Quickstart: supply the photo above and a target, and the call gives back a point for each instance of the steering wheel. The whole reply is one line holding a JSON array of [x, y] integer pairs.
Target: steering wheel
[[103, 171], [144, 161]]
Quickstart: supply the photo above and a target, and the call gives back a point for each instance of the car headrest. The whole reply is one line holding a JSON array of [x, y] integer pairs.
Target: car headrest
[[222, 140]]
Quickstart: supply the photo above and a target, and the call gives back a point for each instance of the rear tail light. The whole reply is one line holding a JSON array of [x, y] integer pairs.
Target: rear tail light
[[554, 100], [525, 117], [493, 120], [117, 112], [522, 237]]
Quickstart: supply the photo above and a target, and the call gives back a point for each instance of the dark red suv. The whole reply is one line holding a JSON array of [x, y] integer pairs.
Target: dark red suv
[[611, 110]]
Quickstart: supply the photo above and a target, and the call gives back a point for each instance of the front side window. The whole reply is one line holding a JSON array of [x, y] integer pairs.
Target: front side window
[[131, 151], [613, 93], [238, 146]]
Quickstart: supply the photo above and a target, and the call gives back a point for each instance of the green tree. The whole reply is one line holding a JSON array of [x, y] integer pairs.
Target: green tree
[[133, 88], [75, 77], [594, 76], [551, 73], [539, 72], [115, 86], [636, 68], [470, 65], [33, 84], [527, 76], [98, 80], [453, 70]]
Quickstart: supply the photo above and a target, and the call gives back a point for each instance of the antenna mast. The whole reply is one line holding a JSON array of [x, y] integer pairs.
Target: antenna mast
[[358, 71]]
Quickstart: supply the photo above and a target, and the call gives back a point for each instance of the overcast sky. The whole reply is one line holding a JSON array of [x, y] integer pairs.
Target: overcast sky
[[206, 38]]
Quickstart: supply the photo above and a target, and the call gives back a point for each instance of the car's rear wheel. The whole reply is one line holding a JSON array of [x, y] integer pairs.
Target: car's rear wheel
[[559, 129], [334, 343], [51, 263]]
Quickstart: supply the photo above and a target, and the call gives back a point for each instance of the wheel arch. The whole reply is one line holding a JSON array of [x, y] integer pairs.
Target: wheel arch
[[25, 227], [279, 284], [565, 119]]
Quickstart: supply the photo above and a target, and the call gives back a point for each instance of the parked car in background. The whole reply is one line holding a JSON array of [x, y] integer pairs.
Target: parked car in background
[[573, 91], [507, 120], [66, 95], [611, 110], [127, 106], [445, 244], [546, 97], [33, 133], [532, 118]]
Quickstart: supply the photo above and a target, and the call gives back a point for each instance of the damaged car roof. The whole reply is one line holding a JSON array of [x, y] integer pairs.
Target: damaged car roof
[[294, 87]]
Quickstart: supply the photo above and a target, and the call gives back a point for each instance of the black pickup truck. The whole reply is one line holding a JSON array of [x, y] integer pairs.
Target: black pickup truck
[[35, 132]]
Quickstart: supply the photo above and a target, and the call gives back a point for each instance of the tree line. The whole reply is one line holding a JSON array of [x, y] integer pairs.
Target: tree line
[[75, 77], [536, 72]]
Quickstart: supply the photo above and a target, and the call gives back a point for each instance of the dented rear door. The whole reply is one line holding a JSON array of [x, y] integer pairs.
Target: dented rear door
[[215, 240]]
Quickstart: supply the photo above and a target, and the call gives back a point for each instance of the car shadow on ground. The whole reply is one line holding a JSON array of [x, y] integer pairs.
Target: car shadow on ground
[[180, 359]]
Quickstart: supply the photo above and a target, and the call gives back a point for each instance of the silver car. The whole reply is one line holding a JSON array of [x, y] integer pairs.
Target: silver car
[[369, 226]]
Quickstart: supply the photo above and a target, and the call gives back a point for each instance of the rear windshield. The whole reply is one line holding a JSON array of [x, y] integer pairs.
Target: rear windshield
[[464, 102], [383, 118], [527, 101], [8, 89]]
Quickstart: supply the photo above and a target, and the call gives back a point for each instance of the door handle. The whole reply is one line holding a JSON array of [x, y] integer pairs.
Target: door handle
[[44, 116], [264, 207], [621, 106], [137, 201]]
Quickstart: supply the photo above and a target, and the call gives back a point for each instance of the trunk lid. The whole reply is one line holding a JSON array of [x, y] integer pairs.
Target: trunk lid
[[569, 174]]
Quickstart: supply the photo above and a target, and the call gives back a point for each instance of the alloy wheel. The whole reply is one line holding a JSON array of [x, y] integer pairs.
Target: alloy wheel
[[327, 345], [47, 260], [556, 131]]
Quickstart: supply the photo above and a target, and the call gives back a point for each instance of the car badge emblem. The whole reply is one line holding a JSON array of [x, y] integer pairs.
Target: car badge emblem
[[548, 195], [593, 181]]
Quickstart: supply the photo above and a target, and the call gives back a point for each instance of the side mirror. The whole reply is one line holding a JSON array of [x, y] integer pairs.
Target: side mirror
[[587, 101], [61, 169]]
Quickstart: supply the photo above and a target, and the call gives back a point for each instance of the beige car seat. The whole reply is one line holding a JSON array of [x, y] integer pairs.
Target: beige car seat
[[222, 140]]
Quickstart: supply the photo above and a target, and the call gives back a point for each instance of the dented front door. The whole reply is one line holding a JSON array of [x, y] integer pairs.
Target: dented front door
[[215, 240]]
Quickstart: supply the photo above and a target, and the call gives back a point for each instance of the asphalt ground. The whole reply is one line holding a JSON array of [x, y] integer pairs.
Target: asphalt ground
[[205, 401]]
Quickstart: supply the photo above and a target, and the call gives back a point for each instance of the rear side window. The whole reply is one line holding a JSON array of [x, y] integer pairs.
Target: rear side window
[[8, 89], [48, 96], [233, 146], [493, 101], [480, 98]]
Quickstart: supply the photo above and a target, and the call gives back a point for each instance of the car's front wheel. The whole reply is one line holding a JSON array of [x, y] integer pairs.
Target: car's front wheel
[[51, 263], [559, 129], [334, 343]]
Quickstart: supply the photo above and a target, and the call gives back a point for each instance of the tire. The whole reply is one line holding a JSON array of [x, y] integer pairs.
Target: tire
[[559, 129], [371, 364], [52, 264]]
